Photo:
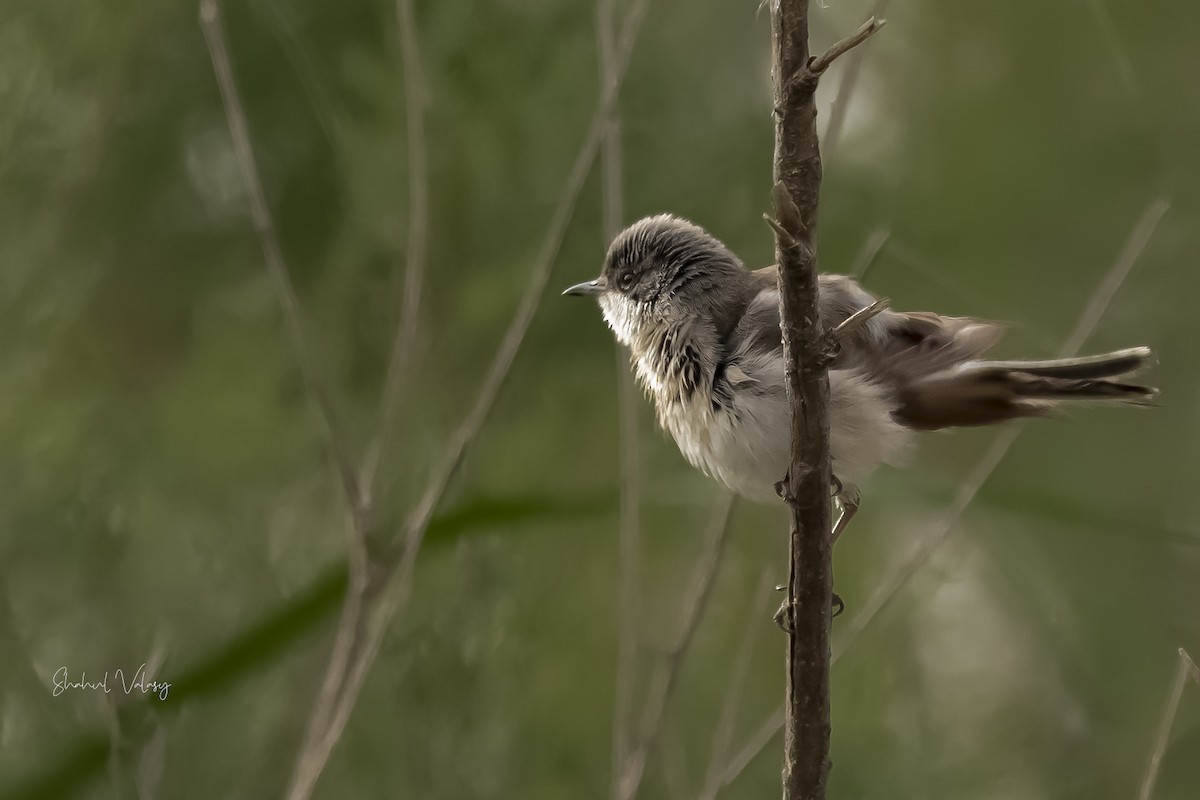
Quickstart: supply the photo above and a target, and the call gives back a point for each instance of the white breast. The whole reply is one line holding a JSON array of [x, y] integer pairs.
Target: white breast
[[745, 444]]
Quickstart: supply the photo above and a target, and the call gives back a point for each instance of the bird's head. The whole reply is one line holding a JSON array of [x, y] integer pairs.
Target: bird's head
[[663, 271]]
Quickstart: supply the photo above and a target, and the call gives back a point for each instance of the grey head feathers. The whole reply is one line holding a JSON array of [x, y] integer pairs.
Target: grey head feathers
[[664, 270]]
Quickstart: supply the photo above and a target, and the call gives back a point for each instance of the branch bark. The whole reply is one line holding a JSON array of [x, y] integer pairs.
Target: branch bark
[[797, 174]]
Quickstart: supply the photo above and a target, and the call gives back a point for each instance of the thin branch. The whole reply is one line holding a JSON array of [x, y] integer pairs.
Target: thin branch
[[723, 733], [1187, 668], [699, 591], [628, 538], [404, 341], [841, 103], [264, 227], [388, 586], [1088, 319]]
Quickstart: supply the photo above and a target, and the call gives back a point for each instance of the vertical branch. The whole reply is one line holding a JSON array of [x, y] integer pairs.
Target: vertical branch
[[797, 173], [806, 489], [628, 590]]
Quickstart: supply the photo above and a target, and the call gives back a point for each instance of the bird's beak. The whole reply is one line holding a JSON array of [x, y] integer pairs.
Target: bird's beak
[[586, 288]]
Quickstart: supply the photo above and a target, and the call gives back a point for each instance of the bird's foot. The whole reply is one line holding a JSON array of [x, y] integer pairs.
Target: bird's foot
[[783, 615]]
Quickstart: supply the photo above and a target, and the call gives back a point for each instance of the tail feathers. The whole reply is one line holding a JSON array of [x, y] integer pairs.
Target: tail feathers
[[1029, 386], [985, 392], [1108, 365]]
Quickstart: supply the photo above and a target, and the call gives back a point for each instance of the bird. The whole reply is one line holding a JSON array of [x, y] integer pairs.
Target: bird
[[704, 339]]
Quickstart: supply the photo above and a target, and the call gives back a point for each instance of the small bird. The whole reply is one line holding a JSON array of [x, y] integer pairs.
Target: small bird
[[704, 339]]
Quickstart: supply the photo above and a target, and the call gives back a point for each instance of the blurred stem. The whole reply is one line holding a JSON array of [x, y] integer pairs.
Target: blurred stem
[[845, 92], [1187, 668], [695, 603], [628, 589], [264, 228], [404, 341], [723, 733]]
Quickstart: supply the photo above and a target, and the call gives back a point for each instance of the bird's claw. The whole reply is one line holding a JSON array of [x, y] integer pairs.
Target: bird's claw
[[783, 616]]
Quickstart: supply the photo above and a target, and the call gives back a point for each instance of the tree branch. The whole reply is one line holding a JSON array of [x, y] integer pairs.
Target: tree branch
[[807, 491]]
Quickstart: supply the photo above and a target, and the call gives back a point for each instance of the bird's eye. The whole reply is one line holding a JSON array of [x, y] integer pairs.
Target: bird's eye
[[625, 280]]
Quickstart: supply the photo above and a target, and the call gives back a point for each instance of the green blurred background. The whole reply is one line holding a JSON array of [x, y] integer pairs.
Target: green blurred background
[[165, 496]]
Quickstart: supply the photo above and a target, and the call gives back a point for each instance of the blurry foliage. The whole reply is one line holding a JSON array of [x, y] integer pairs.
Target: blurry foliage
[[163, 488]]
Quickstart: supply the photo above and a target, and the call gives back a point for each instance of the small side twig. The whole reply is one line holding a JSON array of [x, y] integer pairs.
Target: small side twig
[[1187, 668], [865, 31], [804, 80]]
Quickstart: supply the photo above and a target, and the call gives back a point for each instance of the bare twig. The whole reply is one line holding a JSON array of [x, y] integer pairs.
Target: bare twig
[[1087, 322], [659, 695], [841, 102], [418, 234], [264, 227], [629, 546], [723, 733], [1187, 667], [387, 587]]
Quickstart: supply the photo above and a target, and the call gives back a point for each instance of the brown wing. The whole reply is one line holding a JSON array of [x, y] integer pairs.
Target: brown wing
[[913, 354], [897, 346]]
